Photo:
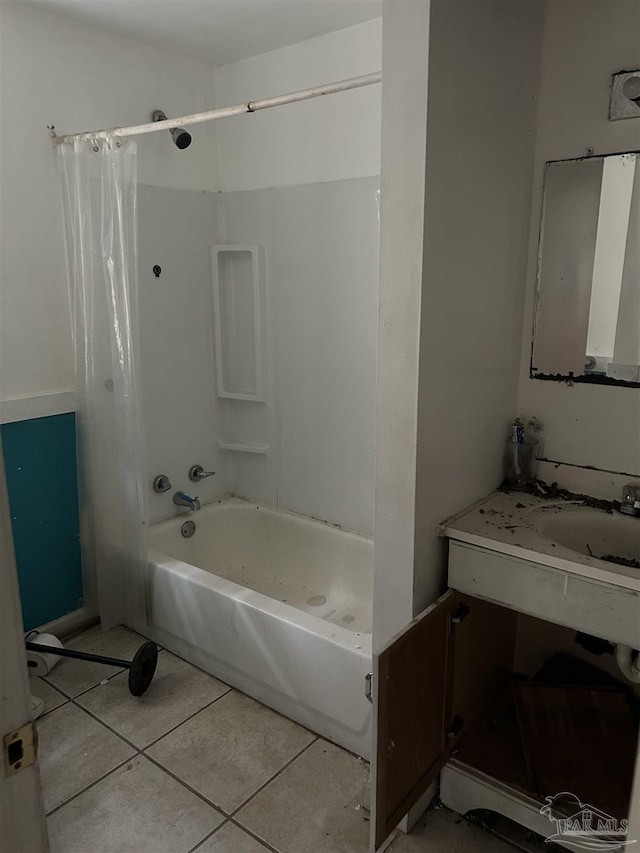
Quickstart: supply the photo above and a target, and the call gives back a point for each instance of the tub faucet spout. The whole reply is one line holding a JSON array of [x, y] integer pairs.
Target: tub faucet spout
[[181, 499]]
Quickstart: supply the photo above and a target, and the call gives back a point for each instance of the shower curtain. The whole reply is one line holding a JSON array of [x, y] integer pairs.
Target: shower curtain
[[99, 191]]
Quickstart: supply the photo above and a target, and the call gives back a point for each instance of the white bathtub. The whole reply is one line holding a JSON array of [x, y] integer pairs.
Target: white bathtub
[[275, 604]]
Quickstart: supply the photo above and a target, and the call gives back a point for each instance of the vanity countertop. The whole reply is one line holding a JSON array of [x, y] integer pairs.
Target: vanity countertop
[[509, 523]]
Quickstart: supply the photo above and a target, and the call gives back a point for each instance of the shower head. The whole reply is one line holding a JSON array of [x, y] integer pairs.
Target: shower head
[[181, 137]]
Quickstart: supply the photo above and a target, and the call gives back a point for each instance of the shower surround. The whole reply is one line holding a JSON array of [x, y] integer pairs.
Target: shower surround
[[315, 427]]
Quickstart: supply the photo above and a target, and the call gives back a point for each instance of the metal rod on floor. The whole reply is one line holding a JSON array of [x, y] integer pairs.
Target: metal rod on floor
[[141, 668], [224, 112], [72, 653]]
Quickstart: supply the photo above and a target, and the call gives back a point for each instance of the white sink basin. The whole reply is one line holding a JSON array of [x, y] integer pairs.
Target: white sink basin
[[590, 531]]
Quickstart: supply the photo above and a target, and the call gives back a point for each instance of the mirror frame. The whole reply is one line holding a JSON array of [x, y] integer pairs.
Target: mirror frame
[[570, 378]]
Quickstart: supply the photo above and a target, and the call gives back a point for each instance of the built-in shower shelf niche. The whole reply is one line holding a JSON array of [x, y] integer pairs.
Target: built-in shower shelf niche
[[239, 310], [244, 446]]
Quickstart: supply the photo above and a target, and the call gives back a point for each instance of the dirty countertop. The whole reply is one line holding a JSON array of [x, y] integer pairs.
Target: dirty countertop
[[512, 524]]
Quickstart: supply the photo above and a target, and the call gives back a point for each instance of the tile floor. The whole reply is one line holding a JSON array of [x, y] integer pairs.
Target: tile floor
[[194, 765]]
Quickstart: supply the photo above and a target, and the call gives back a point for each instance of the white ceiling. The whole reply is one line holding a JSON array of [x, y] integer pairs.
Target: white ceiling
[[217, 31]]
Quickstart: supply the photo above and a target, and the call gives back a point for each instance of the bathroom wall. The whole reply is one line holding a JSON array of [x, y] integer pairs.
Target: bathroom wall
[[321, 251], [180, 408], [302, 182], [55, 71], [483, 78], [585, 42], [324, 139], [405, 50]]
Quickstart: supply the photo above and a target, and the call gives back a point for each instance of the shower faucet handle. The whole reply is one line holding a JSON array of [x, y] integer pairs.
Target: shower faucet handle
[[197, 473]]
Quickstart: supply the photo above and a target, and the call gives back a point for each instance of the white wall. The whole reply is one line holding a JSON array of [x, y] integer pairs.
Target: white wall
[[325, 139], [585, 42], [459, 86], [302, 181], [55, 71], [180, 408], [321, 251], [404, 132], [483, 76]]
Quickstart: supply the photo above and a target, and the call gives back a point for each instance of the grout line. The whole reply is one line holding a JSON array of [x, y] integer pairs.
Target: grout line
[[186, 719], [186, 785], [51, 710], [84, 690], [130, 742], [197, 846], [251, 833], [274, 777], [246, 831], [63, 696], [107, 726], [94, 716], [227, 815], [92, 784]]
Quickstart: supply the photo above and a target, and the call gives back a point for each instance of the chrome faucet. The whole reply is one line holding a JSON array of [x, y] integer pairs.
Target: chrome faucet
[[180, 499], [197, 473], [630, 504]]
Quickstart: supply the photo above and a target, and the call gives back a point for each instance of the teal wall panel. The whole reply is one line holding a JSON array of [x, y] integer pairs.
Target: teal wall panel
[[40, 462]]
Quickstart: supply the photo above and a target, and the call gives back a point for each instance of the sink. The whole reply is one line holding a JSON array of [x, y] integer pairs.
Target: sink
[[544, 557], [590, 531]]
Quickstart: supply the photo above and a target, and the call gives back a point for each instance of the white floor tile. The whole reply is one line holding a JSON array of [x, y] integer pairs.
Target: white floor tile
[[315, 804], [74, 676], [52, 698], [137, 809], [230, 839], [226, 752], [74, 750], [231, 749], [443, 831], [177, 691]]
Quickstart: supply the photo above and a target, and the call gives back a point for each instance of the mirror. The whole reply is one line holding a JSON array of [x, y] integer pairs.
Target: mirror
[[587, 314]]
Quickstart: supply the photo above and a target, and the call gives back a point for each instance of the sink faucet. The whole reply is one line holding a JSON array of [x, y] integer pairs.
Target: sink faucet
[[630, 504], [180, 499]]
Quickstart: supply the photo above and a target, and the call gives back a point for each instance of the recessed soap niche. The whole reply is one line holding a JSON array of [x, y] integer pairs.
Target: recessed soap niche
[[239, 310]]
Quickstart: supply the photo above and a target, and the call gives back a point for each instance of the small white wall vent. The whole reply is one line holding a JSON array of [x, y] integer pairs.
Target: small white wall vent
[[238, 305], [625, 96]]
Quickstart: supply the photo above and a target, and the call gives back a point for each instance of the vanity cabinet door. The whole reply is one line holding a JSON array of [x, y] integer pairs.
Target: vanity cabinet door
[[434, 679], [412, 679]]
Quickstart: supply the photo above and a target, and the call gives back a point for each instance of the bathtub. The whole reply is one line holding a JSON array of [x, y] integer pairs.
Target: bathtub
[[276, 604]]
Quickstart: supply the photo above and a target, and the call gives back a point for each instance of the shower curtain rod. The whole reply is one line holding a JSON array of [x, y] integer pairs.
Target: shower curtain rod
[[224, 112]]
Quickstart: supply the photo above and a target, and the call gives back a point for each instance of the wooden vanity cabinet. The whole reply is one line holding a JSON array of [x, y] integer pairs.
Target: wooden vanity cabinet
[[434, 681]]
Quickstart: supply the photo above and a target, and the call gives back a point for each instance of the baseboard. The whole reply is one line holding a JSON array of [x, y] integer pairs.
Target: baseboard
[[70, 623]]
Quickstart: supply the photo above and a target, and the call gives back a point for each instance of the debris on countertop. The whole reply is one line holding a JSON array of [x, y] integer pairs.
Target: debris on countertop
[[556, 493], [522, 524]]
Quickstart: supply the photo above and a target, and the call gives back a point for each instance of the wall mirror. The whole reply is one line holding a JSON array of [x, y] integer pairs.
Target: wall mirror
[[587, 313]]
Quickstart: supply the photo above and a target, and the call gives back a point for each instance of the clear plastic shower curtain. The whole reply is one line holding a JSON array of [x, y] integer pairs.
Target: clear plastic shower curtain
[[99, 189]]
